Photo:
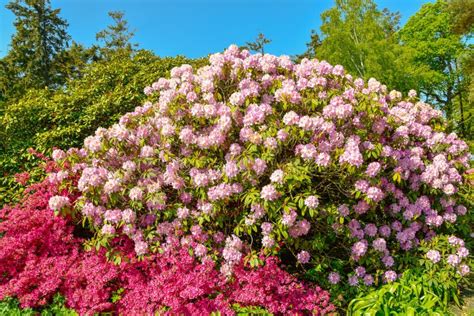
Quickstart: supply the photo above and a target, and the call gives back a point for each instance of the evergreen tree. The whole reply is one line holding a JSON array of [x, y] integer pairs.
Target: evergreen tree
[[39, 38], [311, 47], [72, 61]]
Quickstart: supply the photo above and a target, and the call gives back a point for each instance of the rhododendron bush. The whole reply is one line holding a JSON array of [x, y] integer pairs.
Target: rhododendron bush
[[256, 155]]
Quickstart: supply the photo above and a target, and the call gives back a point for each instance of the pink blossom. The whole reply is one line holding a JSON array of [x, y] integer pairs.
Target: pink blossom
[[311, 202], [462, 252], [373, 169], [136, 194], [277, 176], [334, 277], [288, 219], [390, 276], [269, 193], [368, 280], [353, 280], [360, 271], [433, 255], [259, 166], [58, 155], [303, 256], [463, 270], [453, 260]]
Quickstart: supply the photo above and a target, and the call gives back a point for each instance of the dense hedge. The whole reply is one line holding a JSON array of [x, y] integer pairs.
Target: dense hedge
[[43, 119]]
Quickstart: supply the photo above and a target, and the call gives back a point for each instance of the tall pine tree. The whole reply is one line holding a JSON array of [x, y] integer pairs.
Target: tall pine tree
[[116, 37], [258, 45], [40, 37]]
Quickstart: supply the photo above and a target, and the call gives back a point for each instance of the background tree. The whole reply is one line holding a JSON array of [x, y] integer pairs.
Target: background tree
[[258, 45], [362, 38], [39, 38], [116, 37], [463, 24], [71, 62], [98, 94], [431, 33], [462, 12]]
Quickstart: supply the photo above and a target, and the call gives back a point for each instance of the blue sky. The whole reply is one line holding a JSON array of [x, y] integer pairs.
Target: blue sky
[[198, 27]]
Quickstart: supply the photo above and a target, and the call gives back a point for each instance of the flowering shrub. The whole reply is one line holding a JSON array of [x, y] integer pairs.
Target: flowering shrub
[[255, 152], [446, 253], [36, 248], [41, 255]]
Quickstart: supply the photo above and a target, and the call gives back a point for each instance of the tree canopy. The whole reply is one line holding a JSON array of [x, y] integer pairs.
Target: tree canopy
[[362, 38], [431, 33]]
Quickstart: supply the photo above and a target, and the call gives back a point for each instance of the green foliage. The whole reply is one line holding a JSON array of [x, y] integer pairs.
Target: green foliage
[[71, 62], [411, 295], [11, 190], [11, 307], [117, 36], [249, 310], [258, 45], [106, 90], [463, 19], [433, 53], [311, 47]]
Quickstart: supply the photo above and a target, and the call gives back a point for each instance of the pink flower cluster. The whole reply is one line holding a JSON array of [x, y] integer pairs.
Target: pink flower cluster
[[453, 258]]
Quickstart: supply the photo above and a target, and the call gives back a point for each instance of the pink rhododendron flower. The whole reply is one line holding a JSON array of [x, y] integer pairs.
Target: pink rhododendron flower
[[303, 256], [334, 277]]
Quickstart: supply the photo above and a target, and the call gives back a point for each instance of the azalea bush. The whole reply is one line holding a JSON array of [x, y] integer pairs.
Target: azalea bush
[[45, 267], [255, 155]]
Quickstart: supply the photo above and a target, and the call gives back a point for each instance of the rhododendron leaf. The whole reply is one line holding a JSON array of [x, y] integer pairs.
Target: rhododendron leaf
[[397, 177], [300, 202]]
